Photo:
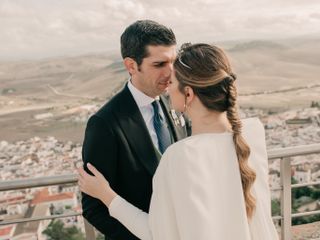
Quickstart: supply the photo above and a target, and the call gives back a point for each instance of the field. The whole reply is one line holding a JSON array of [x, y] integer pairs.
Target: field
[[43, 98]]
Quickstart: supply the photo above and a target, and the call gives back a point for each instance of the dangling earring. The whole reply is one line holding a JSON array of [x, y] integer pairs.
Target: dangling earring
[[185, 106]]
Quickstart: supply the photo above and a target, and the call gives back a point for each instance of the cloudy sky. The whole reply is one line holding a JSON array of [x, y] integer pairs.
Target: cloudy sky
[[32, 29]]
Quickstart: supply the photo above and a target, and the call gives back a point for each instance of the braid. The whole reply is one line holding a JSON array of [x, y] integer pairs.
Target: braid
[[248, 175]]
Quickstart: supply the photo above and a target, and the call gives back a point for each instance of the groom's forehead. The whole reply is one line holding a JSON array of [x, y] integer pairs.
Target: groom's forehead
[[161, 53]]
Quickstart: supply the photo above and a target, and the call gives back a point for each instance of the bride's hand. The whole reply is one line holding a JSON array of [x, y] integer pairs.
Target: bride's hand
[[96, 186]]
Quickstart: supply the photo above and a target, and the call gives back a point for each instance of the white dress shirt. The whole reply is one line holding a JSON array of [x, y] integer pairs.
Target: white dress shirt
[[144, 104], [197, 192]]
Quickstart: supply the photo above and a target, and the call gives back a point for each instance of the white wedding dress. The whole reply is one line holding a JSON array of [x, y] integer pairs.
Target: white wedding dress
[[197, 192]]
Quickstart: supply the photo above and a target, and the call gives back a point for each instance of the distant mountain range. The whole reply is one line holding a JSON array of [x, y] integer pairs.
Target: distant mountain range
[[261, 65], [257, 45]]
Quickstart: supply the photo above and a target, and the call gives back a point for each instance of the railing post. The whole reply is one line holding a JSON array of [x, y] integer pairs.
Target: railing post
[[90, 234], [285, 176]]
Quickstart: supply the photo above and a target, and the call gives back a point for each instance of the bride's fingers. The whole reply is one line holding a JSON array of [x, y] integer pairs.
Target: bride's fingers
[[83, 177], [83, 174], [93, 170], [80, 173]]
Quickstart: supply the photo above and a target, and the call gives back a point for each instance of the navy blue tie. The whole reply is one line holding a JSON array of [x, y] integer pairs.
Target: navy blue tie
[[161, 128]]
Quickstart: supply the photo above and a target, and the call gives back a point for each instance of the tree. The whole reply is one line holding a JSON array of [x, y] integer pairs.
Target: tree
[[315, 194], [275, 207], [57, 231]]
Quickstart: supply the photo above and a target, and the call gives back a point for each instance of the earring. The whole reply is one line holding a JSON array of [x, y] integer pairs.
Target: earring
[[185, 106]]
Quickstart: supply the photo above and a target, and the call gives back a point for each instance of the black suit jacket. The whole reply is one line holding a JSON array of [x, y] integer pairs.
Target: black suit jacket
[[118, 144]]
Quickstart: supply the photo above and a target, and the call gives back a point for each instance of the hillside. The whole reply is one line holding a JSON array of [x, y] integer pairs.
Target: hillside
[[285, 74]]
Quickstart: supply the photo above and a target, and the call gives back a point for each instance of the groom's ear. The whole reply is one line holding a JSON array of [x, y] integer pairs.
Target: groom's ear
[[131, 65]]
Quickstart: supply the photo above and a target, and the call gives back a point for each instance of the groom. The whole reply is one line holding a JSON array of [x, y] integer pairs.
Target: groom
[[125, 139]]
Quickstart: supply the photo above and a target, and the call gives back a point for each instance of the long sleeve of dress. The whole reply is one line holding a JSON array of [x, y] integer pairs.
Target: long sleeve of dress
[[133, 218]]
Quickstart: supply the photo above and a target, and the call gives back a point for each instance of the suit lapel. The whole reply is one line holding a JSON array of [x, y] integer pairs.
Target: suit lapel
[[178, 132], [136, 132], [165, 104]]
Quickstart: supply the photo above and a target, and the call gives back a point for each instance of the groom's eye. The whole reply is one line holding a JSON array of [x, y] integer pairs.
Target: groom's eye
[[159, 65]]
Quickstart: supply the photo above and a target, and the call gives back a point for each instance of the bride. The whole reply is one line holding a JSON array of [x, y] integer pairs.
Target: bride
[[213, 184]]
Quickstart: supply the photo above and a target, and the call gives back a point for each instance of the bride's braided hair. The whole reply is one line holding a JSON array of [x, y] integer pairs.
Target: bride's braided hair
[[248, 176], [206, 69]]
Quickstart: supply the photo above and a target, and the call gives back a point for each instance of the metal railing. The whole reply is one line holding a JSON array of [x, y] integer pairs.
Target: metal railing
[[42, 182], [283, 154]]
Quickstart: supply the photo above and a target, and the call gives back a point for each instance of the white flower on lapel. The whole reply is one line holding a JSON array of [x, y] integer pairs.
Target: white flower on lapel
[[175, 117], [182, 121]]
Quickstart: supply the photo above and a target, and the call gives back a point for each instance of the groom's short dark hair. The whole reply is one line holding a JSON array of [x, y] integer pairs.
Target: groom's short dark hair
[[143, 33]]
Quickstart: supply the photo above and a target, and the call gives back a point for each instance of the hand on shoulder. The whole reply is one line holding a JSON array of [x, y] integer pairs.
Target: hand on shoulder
[[95, 185]]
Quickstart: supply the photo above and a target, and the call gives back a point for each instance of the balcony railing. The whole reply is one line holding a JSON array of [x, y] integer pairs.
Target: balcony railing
[[42, 182], [283, 154]]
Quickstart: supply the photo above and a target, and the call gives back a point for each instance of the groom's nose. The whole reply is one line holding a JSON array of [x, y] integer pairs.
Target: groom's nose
[[169, 70]]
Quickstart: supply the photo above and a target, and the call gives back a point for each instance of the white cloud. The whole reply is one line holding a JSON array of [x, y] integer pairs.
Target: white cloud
[[41, 28]]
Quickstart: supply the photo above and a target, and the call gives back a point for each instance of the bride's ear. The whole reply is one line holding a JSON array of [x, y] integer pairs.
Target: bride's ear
[[189, 94]]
